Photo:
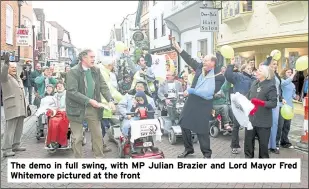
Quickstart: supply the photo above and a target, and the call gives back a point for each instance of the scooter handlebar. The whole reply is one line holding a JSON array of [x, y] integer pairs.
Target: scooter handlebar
[[133, 113]]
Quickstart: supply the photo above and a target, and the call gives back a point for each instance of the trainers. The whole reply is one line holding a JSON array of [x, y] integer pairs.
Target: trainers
[[8, 154], [19, 148]]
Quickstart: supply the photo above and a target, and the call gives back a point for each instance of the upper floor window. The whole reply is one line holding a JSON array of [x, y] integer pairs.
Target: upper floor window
[[163, 25], [233, 8], [154, 3], [173, 3], [9, 25], [155, 31], [66, 38], [203, 46]]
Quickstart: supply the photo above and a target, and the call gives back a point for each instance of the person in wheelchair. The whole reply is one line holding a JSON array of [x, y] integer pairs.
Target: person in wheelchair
[[221, 105], [140, 102], [58, 121], [168, 94], [40, 126]]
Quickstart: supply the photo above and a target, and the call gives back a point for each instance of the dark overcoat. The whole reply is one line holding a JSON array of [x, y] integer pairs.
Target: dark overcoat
[[196, 111]]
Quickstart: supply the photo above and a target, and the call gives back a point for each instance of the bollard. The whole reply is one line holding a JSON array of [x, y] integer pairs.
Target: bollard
[[303, 144]]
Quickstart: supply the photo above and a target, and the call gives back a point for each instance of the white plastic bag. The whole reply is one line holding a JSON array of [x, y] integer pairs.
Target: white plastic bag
[[241, 108]]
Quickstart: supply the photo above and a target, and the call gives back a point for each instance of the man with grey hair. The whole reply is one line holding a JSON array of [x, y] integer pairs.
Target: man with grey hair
[[85, 84], [14, 108], [196, 112]]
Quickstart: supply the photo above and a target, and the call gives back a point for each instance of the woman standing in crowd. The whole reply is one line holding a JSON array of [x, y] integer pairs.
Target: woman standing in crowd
[[263, 94], [241, 83], [273, 65], [288, 93]]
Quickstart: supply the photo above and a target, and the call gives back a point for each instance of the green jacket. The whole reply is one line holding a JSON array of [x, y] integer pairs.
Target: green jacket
[[40, 82], [224, 98], [76, 98], [34, 74]]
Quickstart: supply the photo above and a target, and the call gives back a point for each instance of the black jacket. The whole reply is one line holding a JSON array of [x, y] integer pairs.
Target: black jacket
[[268, 93]]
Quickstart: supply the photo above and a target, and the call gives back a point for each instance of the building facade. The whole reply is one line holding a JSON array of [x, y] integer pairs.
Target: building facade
[[26, 53], [66, 50], [41, 42], [127, 27], [158, 31], [183, 19], [255, 28], [51, 36], [9, 24]]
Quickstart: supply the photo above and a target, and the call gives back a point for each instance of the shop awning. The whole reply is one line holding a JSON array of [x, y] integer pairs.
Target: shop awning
[[183, 16]]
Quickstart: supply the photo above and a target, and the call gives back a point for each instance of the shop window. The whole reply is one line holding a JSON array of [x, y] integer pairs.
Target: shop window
[[203, 46], [155, 29], [9, 25], [246, 6], [163, 25], [189, 48]]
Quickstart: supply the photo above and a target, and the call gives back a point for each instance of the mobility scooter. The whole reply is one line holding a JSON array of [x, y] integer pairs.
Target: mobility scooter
[[146, 129], [216, 125], [169, 126]]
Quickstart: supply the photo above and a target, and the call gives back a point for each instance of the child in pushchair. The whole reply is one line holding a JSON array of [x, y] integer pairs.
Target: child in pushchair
[[141, 103]]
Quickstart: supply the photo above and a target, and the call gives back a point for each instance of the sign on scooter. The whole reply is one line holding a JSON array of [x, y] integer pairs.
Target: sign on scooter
[[148, 130]]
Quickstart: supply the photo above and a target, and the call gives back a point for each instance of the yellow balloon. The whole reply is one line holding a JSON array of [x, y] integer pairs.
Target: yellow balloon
[[287, 112], [227, 51], [301, 63], [276, 54], [119, 47]]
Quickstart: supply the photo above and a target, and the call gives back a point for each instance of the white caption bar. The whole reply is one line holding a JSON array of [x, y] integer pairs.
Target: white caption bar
[[154, 171]]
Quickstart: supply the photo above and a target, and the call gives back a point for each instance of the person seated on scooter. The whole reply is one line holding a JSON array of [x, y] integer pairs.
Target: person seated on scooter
[[125, 105], [171, 88], [40, 127], [220, 104], [140, 102]]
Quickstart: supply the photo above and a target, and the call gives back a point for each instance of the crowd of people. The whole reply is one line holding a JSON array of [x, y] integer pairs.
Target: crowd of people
[[126, 86]]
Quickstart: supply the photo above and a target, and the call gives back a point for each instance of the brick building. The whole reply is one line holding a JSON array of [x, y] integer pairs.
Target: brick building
[[9, 24], [26, 53]]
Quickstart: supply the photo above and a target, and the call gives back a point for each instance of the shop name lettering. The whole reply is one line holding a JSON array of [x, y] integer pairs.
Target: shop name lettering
[[22, 32], [209, 14]]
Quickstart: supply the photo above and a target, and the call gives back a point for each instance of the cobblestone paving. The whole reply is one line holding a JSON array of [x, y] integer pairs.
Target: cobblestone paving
[[220, 147]]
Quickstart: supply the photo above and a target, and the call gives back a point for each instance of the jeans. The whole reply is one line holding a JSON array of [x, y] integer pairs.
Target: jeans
[[283, 132], [28, 91], [105, 124], [274, 128], [126, 125]]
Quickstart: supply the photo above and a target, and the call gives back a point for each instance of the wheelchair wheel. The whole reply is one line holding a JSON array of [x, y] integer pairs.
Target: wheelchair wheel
[[214, 131], [172, 137]]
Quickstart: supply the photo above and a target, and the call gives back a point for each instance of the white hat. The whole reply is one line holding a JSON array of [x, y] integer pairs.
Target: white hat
[[107, 60]]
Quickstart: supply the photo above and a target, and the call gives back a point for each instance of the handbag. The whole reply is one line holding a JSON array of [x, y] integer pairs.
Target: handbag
[[29, 113]]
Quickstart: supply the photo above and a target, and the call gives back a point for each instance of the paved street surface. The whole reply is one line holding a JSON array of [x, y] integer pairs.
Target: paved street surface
[[220, 147]]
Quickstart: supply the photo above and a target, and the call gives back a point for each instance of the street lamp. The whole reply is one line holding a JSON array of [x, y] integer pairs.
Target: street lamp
[[20, 3]]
